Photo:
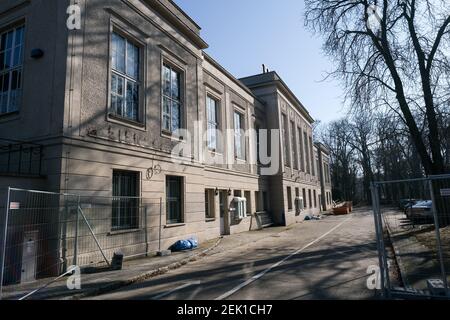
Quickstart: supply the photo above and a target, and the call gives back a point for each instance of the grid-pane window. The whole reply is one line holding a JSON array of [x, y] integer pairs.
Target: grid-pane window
[[294, 146], [125, 214], [286, 140], [11, 69], [172, 103], [212, 110], [300, 143], [307, 156], [313, 171], [239, 137], [124, 78], [174, 199]]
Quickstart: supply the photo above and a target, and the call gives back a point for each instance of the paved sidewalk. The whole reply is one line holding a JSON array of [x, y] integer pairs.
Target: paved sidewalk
[[137, 270]]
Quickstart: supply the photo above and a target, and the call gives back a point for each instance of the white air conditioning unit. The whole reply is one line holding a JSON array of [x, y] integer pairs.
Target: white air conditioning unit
[[299, 204], [240, 204]]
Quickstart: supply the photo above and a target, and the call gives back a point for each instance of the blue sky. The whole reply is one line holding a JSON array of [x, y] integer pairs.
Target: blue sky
[[244, 34]]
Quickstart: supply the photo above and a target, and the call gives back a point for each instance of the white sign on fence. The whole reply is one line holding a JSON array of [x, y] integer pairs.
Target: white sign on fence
[[445, 192], [14, 206]]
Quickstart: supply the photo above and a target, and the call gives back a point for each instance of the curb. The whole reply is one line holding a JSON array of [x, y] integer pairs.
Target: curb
[[142, 277], [397, 258]]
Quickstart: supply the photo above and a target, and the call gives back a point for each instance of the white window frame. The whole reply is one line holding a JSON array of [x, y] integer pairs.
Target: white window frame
[[285, 131], [126, 78], [181, 73], [239, 135], [18, 68], [294, 146], [213, 124]]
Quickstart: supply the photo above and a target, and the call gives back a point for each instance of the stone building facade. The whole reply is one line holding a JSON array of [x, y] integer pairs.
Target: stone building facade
[[102, 106]]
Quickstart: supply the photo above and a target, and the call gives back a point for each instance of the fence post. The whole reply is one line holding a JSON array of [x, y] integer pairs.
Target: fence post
[[75, 248], [2, 273], [93, 235], [160, 224], [438, 235], [379, 234], [146, 230]]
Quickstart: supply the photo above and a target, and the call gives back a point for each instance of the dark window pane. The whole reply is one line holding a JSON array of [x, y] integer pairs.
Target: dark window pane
[[118, 53], [176, 117], [166, 81], [120, 82], [19, 35], [3, 42], [132, 101], [7, 60], [125, 213], [5, 86], [175, 80], [132, 61], [174, 199], [2, 61], [17, 56]]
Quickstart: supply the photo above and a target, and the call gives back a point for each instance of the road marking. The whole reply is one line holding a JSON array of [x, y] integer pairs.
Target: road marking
[[259, 275], [168, 293]]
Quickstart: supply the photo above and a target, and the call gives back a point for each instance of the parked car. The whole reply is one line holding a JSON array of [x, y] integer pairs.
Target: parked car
[[407, 203], [422, 210]]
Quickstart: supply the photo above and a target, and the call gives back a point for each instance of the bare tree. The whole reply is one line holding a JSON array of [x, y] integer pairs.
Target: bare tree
[[337, 136], [363, 139], [392, 55]]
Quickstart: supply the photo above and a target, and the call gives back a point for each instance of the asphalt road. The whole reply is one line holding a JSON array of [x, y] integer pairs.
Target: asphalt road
[[324, 259]]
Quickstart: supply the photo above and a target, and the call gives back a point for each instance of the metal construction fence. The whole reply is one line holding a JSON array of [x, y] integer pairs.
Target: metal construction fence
[[412, 220], [43, 234]]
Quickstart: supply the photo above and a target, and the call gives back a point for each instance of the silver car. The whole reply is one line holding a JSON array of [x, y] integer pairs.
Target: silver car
[[421, 210]]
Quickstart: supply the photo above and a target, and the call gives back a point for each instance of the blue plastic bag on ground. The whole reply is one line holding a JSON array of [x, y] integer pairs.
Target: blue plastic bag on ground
[[183, 245], [193, 242]]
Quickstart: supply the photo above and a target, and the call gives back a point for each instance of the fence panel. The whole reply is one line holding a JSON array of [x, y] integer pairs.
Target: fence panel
[[413, 232], [46, 233]]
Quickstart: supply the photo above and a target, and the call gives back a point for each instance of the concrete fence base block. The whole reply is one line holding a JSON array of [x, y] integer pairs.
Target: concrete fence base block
[[164, 253]]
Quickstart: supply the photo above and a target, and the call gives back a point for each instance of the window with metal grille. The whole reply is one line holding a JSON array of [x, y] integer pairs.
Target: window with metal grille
[[125, 76], [174, 199], [125, 213], [172, 99], [11, 69]]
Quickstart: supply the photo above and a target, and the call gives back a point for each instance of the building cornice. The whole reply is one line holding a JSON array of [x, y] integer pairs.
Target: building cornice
[[168, 13]]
